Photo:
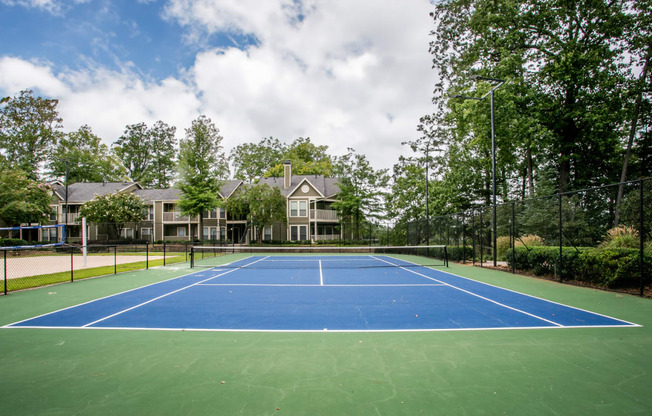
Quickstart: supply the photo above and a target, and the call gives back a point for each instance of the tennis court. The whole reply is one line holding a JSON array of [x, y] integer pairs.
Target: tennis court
[[327, 292], [256, 335]]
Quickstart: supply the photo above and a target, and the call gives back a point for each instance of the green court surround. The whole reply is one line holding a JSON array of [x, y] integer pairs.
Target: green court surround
[[588, 371]]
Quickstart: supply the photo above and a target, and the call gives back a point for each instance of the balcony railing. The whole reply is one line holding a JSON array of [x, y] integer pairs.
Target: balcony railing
[[177, 217], [326, 237], [324, 214]]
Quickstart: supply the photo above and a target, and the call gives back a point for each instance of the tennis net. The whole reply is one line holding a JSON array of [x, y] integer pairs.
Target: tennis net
[[318, 257]]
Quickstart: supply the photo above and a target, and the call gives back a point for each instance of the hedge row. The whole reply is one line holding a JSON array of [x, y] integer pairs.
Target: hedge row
[[612, 268], [12, 242]]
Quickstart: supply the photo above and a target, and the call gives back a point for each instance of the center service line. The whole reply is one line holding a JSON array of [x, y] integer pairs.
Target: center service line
[[321, 275]]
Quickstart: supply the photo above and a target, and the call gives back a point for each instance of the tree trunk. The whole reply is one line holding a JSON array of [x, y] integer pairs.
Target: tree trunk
[[530, 173], [630, 140]]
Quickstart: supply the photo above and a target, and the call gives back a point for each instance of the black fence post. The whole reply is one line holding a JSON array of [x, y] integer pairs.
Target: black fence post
[[147, 255], [463, 239], [641, 234], [513, 237], [115, 259], [164, 253], [481, 242], [561, 240], [473, 236]]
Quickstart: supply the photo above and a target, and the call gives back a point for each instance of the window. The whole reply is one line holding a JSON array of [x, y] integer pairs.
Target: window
[[298, 208], [222, 213], [267, 234], [210, 233], [127, 233], [298, 232], [53, 214], [181, 231], [212, 214], [50, 234], [150, 213], [146, 232]]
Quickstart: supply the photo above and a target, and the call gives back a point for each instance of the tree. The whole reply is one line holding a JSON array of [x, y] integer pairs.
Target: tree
[[28, 131], [261, 204], [134, 149], [201, 166], [85, 158], [252, 160], [307, 159], [115, 209], [148, 154], [23, 200], [361, 189], [163, 152], [563, 101]]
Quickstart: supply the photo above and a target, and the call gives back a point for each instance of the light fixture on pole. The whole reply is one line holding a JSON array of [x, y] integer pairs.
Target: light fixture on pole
[[498, 83]]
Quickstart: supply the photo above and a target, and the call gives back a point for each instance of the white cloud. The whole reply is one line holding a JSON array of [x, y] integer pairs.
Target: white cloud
[[346, 74]]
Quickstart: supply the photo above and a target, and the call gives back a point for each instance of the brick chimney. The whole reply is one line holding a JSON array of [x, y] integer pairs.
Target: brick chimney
[[287, 174]]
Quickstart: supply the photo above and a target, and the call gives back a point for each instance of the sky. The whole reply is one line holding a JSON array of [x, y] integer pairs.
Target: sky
[[346, 73]]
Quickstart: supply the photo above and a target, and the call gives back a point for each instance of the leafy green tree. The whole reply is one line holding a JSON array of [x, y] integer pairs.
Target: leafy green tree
[[563, 102], [362, 189], [261, 204], [307, 159], [252, 160], [86, 159], [135, 151], [28, 131], [201, 166], [163, 153], [406, 200], [23, 200], [116, 210]]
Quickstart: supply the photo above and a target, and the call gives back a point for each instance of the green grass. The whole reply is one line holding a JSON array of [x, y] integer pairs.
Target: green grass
[[589, 371]]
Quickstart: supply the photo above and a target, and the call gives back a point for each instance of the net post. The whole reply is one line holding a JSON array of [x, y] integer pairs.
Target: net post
[[72, 252], [192, 256], [446, 255]]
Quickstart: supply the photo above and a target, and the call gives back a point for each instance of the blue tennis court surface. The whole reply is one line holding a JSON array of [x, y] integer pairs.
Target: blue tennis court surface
[[312, 293]]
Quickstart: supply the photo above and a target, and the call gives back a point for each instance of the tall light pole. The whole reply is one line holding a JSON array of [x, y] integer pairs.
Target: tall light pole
[[498, 83]]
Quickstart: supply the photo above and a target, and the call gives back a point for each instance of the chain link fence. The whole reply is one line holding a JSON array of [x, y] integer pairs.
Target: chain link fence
[[583, 237], [34, 267]]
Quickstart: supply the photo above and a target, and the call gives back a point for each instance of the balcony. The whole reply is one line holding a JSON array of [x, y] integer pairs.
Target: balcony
[[324, 215], [177, 217], [71, 218]]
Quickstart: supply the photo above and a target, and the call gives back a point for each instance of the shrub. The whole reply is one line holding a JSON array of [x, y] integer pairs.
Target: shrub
[[12, 242], [503, 244], [530, 240], [621, 237], [612, 268]]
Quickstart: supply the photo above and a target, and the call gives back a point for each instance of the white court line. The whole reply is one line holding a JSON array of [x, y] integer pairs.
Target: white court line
[[163, 296], [476, 295], [320, 285], [533, 297], [321, 275]]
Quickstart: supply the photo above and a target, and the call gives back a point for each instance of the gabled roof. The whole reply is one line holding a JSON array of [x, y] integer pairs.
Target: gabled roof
[[229, 186], [149, 195], [326, 186], [174, 194], [81, 192]]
